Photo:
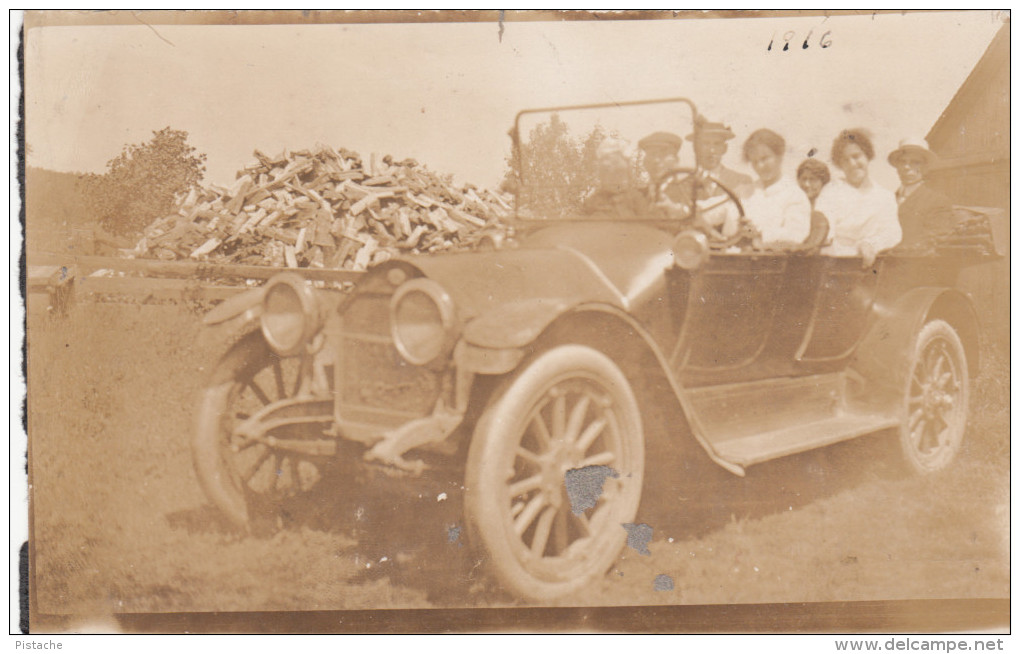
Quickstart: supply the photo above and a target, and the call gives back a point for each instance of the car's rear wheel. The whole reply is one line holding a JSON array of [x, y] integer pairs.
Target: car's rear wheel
[[936, 399], [569, 418], [246, 479]]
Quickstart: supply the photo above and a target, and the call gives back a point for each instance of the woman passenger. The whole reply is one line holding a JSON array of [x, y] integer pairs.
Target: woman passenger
[[812, 176], [862, 215], [777, 206]]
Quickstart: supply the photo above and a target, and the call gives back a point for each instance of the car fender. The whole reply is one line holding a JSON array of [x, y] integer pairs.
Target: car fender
[[883, 359], [243, 355], [494, 343], [247, 303], [497, 342], [514, 324]]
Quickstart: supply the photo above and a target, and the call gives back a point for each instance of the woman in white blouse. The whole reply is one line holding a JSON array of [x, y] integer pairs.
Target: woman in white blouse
[[862, 215], [777, 206]]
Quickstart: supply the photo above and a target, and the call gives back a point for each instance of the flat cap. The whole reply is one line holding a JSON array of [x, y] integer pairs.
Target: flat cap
[[667, 139]]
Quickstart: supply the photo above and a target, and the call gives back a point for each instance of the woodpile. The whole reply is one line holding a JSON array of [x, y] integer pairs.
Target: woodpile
[[326, 208], [972, 231]]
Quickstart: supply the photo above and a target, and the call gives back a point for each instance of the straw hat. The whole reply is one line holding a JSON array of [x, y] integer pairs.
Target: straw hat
[[916, 145], [707, 129]]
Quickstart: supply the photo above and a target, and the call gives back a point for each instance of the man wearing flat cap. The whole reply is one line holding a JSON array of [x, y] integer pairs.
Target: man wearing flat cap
[[662, 154], [923, 210]]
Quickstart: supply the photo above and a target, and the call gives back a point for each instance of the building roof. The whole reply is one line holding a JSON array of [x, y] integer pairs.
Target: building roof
[[995, 58]]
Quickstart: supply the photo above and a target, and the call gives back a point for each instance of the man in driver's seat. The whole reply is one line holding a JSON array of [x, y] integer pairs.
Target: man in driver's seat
[[662, 155]]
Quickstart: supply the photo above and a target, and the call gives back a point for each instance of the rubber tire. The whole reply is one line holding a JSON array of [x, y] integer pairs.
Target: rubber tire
[[912, 460], [500, 425], [242, 360]]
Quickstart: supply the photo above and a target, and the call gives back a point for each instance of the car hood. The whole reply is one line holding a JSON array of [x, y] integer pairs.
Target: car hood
[[621, 264]]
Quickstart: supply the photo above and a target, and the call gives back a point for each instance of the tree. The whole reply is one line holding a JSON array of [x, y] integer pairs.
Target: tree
[[142, 183], [554, 169]]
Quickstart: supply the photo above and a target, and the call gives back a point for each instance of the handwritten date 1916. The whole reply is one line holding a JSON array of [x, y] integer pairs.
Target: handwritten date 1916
[[824, 42]]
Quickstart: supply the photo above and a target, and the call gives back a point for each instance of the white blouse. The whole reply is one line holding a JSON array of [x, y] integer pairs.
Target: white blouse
[[859, 215], [780, 211]]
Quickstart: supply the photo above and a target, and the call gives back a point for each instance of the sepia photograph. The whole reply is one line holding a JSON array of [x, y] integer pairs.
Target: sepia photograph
[[515, 321]]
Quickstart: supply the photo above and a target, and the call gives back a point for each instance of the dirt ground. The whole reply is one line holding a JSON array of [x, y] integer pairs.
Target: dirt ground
[[120, 524]]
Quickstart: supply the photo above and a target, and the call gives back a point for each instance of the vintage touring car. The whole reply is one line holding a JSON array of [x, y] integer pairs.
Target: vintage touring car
[[526, 364]]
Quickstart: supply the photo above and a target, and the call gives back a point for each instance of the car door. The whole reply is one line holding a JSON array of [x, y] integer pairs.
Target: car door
[[841, 313], [744, 316]]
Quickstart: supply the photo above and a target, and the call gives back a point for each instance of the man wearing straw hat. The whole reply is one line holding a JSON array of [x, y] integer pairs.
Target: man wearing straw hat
[[923, 210], [714, 205], [709, 147]]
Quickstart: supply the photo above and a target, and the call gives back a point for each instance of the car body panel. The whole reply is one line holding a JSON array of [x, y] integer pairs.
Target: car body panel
[[748, 332], [757, 346], [618, 263], [882, 357], [515, 324], [242, 303], [756, 317], [479, 282], [631, 256], [842, 308], [731, 304]]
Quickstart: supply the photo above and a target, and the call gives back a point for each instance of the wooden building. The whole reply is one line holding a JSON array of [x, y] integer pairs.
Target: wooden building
[[971, 137]]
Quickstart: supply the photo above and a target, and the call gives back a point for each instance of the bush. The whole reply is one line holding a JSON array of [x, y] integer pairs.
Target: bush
[[142, 182]]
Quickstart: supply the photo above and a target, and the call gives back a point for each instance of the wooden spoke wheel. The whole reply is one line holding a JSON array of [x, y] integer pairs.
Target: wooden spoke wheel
[[248, 479], [935, 403], [555, 470]]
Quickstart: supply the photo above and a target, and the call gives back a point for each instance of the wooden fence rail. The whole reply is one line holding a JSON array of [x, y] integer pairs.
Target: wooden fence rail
[[185, 269], [63, 278]]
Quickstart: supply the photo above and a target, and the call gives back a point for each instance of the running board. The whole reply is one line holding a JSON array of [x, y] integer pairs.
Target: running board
[[747, 450], [751, 422]]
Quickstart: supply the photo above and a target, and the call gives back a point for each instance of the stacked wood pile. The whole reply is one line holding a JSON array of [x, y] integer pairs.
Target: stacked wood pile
[[325, 208], [971, 231]]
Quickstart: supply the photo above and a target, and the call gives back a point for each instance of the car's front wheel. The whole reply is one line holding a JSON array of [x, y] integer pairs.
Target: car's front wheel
[[936, 397], [554, 470], [248, 479]]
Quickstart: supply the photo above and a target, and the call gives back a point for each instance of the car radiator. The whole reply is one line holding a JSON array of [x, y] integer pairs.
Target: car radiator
[[375, 384]]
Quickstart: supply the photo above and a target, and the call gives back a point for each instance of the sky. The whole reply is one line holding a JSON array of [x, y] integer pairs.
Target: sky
[[446, 94]]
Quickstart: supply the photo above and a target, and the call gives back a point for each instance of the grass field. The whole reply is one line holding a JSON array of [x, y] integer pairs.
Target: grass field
[[121, 525]]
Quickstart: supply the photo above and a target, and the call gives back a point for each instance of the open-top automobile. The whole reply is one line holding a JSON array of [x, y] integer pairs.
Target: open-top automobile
[[524, 364]]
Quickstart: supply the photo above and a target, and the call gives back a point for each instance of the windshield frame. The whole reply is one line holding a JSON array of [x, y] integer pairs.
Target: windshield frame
[[515, 137]]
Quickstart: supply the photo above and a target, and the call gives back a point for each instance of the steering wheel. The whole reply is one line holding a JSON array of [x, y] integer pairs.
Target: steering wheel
[[677, 193]]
